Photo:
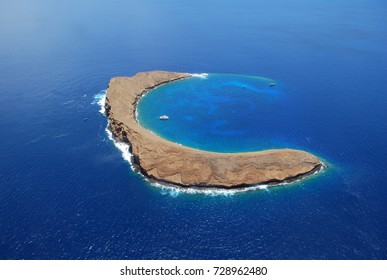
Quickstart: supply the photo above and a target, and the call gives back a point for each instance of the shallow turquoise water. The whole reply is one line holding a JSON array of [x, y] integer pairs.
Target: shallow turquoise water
[[220, 112]]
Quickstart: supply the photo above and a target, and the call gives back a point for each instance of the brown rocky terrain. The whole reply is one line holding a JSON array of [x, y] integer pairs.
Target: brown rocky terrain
[[169, 162]]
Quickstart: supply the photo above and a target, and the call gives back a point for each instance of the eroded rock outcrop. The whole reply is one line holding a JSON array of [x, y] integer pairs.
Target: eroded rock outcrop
[[169, 162]]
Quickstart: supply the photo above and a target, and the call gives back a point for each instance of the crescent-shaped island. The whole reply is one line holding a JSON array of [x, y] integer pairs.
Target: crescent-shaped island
[[165, 161]]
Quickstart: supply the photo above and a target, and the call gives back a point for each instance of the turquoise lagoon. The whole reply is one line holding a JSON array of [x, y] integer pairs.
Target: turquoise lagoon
[[223, 113]]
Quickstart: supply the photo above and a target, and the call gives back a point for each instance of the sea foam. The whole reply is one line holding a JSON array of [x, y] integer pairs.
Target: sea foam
[[100, 99], [123, 147], [200, 75]]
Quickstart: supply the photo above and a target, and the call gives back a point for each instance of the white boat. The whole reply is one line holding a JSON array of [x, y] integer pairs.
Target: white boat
[[164, 117]]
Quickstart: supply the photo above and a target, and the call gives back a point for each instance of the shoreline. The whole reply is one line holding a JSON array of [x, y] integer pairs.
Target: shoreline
[[166, 162], [214, 191]]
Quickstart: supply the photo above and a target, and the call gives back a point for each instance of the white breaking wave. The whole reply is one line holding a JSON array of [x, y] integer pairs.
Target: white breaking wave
[[201, 75], [100, 99], [123, 147], [176, 190]]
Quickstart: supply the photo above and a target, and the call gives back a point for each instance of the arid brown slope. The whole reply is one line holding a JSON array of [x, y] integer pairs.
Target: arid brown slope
[[169, 162]]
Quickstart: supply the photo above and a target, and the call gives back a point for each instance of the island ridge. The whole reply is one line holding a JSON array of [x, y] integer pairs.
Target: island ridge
[[165, 161]]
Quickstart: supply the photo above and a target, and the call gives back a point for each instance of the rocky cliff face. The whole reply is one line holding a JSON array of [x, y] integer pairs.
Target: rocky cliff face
[[169, 162]]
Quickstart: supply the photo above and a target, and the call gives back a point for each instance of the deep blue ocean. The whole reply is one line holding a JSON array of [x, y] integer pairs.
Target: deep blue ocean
[[66, 192]]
